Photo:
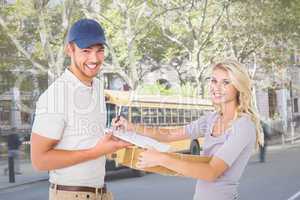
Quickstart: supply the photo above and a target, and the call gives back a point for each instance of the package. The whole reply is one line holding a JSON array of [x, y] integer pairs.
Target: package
[[130, 158]]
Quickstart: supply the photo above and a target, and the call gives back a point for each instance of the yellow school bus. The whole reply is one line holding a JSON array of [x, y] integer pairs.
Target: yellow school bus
[[157, 111]]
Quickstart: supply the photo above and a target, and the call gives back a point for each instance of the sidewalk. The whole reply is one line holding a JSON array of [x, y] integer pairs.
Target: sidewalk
[[29, 175]]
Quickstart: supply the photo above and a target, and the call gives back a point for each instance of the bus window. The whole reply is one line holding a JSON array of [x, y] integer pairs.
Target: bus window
[[174, 116], [111, 113], [181, 116], [200, 113], [145, 116], [168, 116], [187, 116], [153, 116], [161, 116], [136, 115], [194, 115], [124, 111]]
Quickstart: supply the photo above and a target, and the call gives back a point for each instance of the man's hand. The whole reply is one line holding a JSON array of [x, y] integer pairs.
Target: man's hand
[[108, 144]]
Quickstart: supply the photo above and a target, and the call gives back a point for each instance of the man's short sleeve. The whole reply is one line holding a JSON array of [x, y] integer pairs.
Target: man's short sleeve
[[49, 117], [243, 134], [198, 128]]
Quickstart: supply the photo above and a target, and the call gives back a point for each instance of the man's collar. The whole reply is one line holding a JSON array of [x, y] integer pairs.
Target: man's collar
[[73, 78]]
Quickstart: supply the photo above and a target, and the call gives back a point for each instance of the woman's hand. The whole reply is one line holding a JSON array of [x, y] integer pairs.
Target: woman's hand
[[150, 158], [121, 123]]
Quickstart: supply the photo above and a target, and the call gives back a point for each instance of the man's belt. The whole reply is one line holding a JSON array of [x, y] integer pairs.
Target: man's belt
[[79, 188]]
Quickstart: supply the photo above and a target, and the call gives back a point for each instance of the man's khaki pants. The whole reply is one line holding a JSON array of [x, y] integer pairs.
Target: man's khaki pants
[[68, 195]]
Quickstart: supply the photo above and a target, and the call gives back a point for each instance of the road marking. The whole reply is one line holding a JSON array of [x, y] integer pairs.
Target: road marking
[[294, 196]]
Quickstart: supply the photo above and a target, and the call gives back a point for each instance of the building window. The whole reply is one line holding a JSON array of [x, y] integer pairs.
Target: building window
[[296, 108], [25, 112], [272, 102], [5, 107], [6, 81]]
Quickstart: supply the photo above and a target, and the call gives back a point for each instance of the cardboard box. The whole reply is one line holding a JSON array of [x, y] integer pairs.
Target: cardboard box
[[130, 156]]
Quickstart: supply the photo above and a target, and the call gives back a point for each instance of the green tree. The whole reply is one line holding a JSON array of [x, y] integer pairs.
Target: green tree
[[192, 29], [261, 33]]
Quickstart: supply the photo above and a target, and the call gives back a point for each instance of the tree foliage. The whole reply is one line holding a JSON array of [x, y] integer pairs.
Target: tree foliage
[[144, 36]]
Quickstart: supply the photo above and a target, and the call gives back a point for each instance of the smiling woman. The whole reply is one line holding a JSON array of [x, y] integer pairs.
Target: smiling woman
[[221, 89], [230, 134]]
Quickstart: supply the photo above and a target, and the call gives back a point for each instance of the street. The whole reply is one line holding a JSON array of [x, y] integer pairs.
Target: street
[[277, 179]]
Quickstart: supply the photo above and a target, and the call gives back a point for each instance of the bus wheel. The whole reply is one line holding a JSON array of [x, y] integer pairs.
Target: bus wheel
[[195, 147], [137, 173]]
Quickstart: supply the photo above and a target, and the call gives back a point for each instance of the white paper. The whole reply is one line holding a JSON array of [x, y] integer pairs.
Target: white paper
[[142, 141]]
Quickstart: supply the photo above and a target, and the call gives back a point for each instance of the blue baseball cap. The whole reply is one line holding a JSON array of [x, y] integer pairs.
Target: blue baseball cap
[[86, 33]]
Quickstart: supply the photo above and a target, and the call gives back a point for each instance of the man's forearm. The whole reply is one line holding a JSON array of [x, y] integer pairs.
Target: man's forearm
[[56, 159], [44, 156]]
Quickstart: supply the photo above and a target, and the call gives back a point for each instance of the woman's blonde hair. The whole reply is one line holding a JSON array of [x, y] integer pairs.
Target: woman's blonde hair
[[241, 81]]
